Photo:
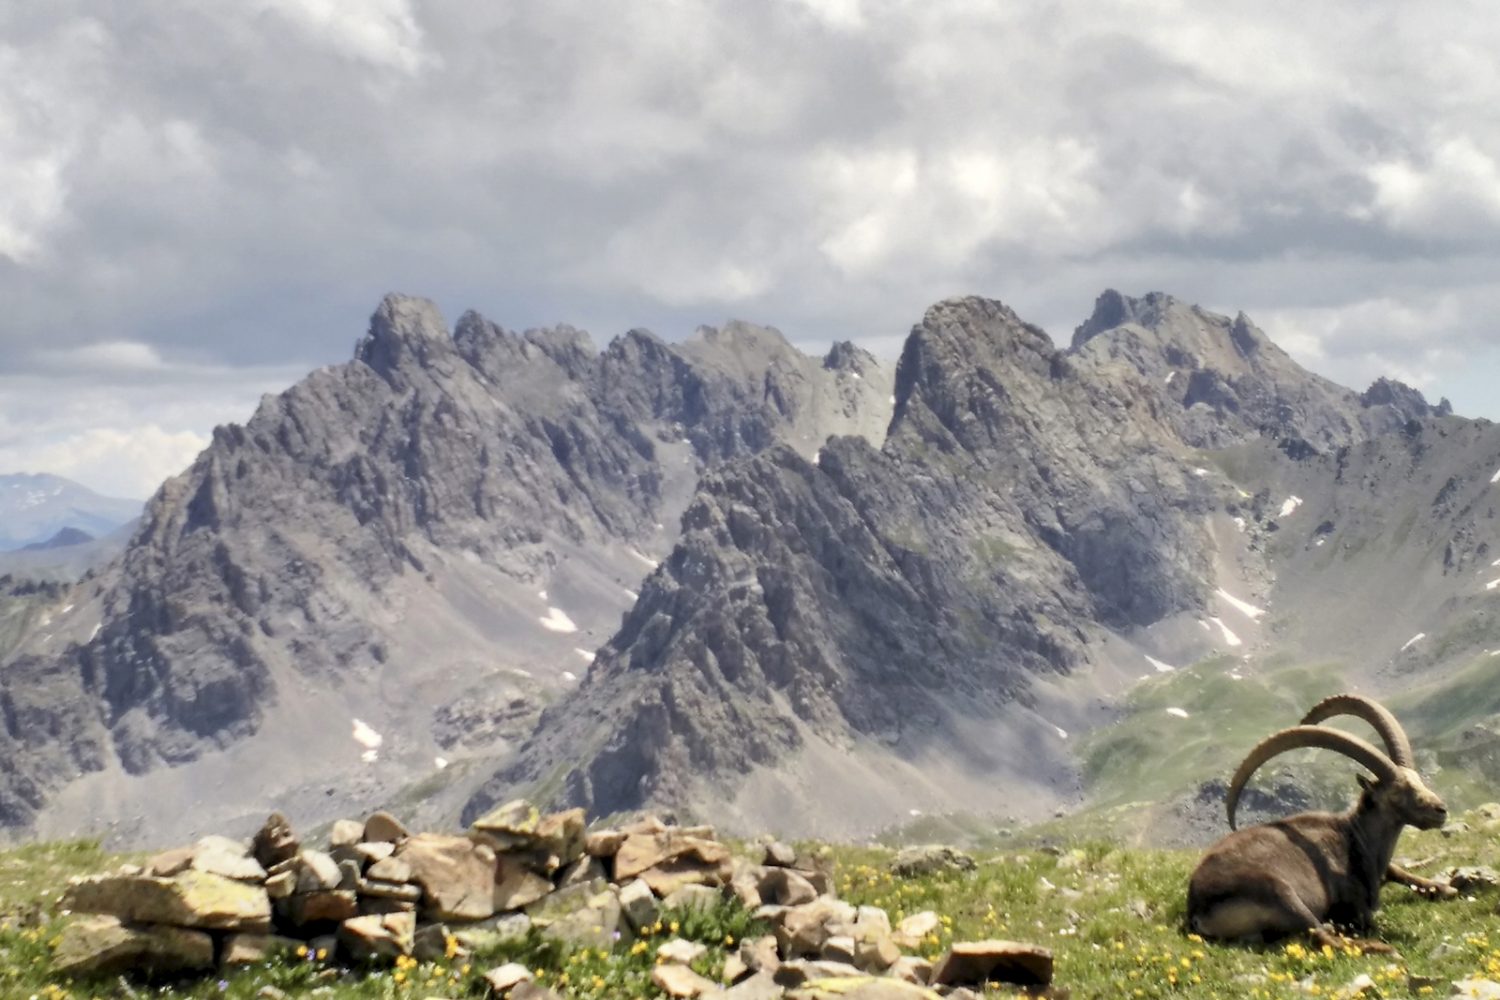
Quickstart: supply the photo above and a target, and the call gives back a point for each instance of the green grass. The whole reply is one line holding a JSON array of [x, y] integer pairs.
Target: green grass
[[1112, 915]]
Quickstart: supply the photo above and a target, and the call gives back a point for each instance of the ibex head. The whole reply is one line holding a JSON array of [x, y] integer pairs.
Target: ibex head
[[1396, 790]]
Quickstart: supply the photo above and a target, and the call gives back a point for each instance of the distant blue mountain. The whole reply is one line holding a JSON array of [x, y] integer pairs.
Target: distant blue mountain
[[35, 507]]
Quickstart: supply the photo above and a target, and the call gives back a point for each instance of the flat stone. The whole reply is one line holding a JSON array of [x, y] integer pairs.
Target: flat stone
[[761, 986], [603, 843], [561, 835], [369, 905], [975, 963], [402, 891], [801, 931], [912, 969], [838, 948], [681, 982], [316, 870], [779, 855], [910, 932], [103, 945], [281, 885], [643, 851], [585, 869], [1471, 878], [252, 949], [760, 954], [364, 853], [345, 833], [390, 870], [1475, 989], [456, 874], [169, 863], [326, 906], [863, 988], [382, 827], [800, 971], [511, 826], [596, 924], [784, 887], [681, 951], [211, 856], [488, 934], [872, 919], [507, 976], [639, 904], [735, 968], [385, 936], [274, 842], [187, 899], [517, 886], [531, 991], [669, 876], [875, 952]]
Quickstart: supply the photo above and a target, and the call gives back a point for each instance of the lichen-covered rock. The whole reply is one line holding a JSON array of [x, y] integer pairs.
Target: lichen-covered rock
[[926, 859], [104, 945], [456, 874], [188, 899], [387, 936]]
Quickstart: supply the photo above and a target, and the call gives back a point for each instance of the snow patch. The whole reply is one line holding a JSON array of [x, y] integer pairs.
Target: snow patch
[[370, 756], [94, 634], [1496, 477], [630, 593], [557, 621], [1200, 472], [569, 676], [857, 375], [587, 656], [1230, 639], [1492, 585], [1206, 626], [638, 554], [1178, 712], [1413, 641], [1239, 522], [1235, 675], [1245, 608], [542, 594], [818, 458], [1171, 377], [66, 609], [1161, 668], [1061, 732], [893, 400], [471, 556], [1319, 543], [366, 736], [440, 762], [914, 812], [1289, 505]]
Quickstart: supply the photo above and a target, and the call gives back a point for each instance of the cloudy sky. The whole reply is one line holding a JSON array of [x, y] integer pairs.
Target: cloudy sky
[[200, 202]]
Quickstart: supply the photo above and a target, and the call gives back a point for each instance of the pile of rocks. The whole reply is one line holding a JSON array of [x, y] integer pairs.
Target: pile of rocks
[[379, 893]]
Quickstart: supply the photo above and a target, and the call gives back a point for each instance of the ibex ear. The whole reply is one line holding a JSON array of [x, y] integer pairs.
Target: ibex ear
[[1365, 781]]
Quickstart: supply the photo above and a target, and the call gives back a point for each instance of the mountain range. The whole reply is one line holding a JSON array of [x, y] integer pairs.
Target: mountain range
[[774, 591]]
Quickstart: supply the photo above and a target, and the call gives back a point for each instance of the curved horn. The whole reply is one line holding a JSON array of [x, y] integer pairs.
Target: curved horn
[[1307, 736], [1377, 715]]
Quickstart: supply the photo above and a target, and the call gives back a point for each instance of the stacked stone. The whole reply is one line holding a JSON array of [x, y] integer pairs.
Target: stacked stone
[[379, 893]]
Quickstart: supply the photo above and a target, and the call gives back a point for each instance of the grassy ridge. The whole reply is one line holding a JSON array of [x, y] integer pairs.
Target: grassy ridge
[[1112, 915]]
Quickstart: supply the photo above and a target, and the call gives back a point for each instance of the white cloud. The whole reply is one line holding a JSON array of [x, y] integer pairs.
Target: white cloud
[[125, 463], [381, 32]]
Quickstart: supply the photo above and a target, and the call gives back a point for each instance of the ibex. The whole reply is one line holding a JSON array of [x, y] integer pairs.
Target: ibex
[[1312, 871]]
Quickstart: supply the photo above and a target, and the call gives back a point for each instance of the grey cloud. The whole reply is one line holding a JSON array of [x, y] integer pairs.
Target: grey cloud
[[235, 184]]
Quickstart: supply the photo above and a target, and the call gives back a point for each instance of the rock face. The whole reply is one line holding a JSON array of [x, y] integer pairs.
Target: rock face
[[420, 544], [399, 522]]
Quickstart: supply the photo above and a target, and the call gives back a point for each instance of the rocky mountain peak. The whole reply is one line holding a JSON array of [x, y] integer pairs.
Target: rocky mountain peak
[[1405, 401], [403, 326], [1113, 309], [845, 356]]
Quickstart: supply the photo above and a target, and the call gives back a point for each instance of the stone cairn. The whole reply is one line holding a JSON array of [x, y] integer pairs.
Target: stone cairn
[[381, 894]]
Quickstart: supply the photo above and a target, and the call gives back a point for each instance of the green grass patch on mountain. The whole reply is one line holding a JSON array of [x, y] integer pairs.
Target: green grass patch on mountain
[[1112, 916]]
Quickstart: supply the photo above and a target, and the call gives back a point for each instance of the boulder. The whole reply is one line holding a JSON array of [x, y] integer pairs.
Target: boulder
[[517, 886], [779, 855], [456, 874], [369, 905], [383, 828], [433, 943], [681, 951], [681, 982], [281, 885], [489, 934], [875, 952], [252, 949], [865, 988], [325, 906], [761, 986], [187, 899], [800, 971], [975, 963], [364, 853], [316, 870], [274, 842], [561, 836], [502, 979], [603, 843], [641, 852], [230, 858], [345, 833], [531, 991], [397, 891], [760, 954], [596, 922], [801, 931], [509, 827], [1475, 988], [104, 945], [387, 936], [585, 869], [912, 969], [910, 932], [784, 887], [389, 870], [169, 863], [639, 904], [839, 948], [930, 858]]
